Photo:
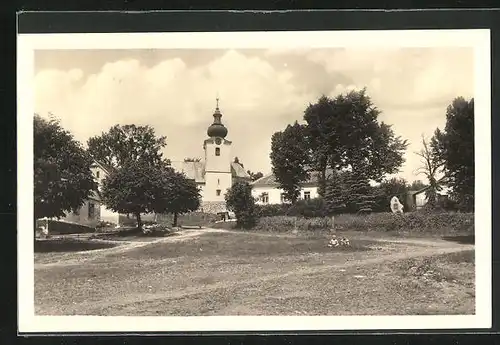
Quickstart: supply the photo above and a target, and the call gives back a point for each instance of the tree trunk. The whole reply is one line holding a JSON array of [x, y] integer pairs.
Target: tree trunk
[[175, 220], [139, 221]]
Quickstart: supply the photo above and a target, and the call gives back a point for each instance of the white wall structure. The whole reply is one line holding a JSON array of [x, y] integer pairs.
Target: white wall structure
[[266, 190]]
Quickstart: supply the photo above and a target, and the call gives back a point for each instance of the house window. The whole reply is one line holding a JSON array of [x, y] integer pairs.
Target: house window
[[217, 192], [265, 198], [307, 195], [283, 198], [91, 210], [217, 151], [97, 174]]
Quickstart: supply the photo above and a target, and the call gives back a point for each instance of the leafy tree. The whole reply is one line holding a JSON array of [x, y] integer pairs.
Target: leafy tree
[[255, 176], [289, 157], [334, 196], [121, 144], [62, 175], [344, 132], [239, 200], [140, 187], [455, 148], [358, 194], [431, 168], [181, 195]]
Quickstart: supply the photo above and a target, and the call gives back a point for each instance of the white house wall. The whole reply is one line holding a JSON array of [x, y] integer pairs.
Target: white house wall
[[274, 193]]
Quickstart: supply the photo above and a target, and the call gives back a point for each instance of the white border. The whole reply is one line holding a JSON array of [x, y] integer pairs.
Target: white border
[[479, 39]]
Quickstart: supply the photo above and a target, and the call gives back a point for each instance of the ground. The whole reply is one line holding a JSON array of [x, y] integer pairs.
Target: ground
[[221, 272]]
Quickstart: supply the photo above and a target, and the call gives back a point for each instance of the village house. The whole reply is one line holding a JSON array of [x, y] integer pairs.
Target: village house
[[266, 189], [93, 211]]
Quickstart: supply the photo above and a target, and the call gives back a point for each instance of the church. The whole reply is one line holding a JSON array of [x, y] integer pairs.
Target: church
[[218, 171]]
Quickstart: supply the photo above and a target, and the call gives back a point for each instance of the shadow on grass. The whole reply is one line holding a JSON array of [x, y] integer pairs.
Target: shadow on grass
[[464, 239], [62, 246]]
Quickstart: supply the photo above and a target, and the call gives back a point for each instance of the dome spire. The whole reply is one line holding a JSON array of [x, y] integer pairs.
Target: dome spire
[[217, 129]]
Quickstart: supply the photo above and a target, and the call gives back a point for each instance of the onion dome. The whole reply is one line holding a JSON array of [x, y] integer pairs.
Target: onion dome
[[217, 129]]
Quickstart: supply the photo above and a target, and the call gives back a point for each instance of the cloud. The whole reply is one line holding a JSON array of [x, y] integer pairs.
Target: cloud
[[178, 101], [260, 93]]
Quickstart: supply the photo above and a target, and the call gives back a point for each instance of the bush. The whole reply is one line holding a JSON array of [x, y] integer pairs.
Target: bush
[[288, 223], [423, 222], [312, 208], [239, 199], [302, 208]]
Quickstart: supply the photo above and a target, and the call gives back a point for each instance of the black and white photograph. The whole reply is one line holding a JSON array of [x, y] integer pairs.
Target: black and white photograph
[[254, 181]]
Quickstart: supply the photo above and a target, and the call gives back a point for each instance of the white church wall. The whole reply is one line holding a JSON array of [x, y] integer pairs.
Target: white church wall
[[216, 185]]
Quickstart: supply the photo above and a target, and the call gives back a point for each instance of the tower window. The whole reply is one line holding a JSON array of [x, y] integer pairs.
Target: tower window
[[217, 151], [218, 182], [217, 192], [97, 174]]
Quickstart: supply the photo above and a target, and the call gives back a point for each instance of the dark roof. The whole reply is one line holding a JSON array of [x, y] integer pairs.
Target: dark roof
[[192, 170], [196, 170]]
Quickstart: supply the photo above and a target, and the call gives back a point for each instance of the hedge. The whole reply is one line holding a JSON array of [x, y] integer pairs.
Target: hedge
[[449, 222]]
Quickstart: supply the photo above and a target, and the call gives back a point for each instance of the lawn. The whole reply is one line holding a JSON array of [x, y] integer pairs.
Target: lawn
[[205, 272]]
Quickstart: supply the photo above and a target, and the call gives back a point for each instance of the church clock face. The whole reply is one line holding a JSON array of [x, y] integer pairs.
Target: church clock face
[[218, 141]]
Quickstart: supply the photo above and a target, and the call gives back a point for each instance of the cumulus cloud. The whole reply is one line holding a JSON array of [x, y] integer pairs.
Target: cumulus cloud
[[260, 93]]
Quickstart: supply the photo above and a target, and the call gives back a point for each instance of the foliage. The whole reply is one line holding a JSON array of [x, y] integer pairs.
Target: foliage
[[62, 175], [255, 176], [192, 159], [334, 196], [239, 199], [141, 187], [308, 208], [121, 144], [454, 147], [387, 189], [181, 195], [344, 132], [288, 157], [431, 167], [415, 222]]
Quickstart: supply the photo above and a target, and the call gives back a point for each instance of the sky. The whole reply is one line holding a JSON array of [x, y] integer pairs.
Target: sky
[[260, 91]]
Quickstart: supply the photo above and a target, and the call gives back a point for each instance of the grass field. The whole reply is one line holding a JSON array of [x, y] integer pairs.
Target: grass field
[[220, 272]]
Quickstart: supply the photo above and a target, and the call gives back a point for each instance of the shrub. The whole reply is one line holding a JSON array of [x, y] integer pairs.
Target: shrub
[[239, 199], [423, 222], [308, 208], [288, 223]]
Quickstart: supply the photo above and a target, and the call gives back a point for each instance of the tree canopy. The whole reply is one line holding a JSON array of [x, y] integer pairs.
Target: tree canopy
[[142, 187], [454, 147], [431, 168], [62, 175], [289, 158], [239, 199], [344, 133], [121, 144]]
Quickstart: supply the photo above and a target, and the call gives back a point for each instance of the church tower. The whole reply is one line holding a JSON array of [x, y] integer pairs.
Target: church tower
[[218, 177]]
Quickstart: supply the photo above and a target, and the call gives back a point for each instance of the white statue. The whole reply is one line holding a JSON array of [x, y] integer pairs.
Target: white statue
[[396, 206]]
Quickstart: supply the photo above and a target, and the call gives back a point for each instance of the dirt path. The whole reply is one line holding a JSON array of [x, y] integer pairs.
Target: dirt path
[[425, 248], [75, 258]]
